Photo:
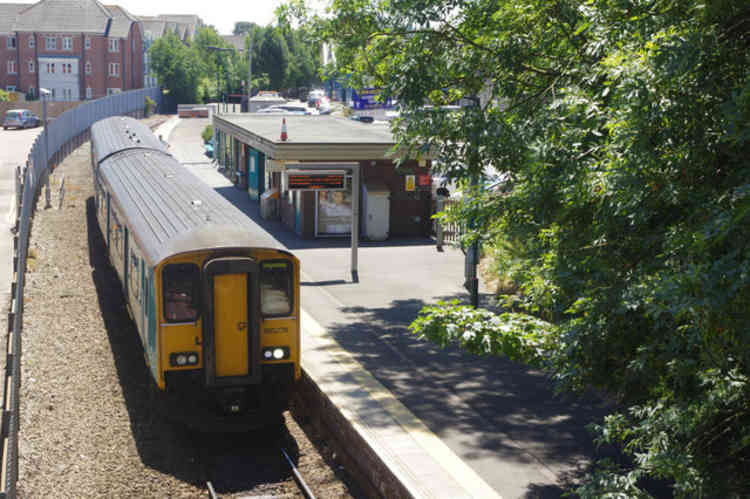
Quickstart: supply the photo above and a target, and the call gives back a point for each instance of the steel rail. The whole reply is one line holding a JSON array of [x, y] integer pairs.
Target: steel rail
[[298, 477]]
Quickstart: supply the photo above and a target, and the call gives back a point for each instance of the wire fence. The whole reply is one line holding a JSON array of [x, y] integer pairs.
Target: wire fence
[[62, 136]]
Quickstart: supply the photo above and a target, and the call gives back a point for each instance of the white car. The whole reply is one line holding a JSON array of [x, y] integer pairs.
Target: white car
[[287, 109]]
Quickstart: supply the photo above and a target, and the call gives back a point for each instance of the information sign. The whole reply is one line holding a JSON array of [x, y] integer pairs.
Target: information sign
[[316, 180]]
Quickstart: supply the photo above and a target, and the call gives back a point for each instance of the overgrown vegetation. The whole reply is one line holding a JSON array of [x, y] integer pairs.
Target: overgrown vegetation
[[148, 106], [207, 134], [625, 128]]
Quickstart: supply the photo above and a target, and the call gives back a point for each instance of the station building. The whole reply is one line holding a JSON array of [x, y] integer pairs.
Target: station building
[[394, 201]]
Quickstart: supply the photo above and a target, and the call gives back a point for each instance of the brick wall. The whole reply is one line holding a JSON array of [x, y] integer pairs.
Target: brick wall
[[129, 57]]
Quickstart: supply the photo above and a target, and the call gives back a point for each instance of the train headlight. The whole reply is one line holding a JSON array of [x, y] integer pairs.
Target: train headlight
[[276, 353], [182, 359]]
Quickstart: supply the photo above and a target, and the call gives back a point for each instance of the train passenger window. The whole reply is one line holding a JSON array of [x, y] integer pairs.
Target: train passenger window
[[181, 283], [276, 288]]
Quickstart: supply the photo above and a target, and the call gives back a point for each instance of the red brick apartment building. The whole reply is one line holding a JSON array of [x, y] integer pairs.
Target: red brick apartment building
[[77, 49]]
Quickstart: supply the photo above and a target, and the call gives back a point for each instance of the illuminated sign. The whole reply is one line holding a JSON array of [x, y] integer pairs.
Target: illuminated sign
[[316, 180]]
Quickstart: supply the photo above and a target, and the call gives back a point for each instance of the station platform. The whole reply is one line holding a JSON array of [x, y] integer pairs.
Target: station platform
[[396, 452]]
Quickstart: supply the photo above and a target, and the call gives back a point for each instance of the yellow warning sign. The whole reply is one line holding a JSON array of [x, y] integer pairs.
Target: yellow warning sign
[[411, 182]]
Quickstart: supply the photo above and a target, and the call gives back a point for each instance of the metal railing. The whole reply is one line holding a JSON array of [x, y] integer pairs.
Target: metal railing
[[64, 135], [450, 232]]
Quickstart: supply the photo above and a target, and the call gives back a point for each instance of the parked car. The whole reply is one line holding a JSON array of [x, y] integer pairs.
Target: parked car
[[287, 109], [20, 118]]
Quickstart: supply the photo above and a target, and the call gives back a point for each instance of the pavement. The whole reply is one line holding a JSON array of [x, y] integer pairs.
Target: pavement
[[14, 149], [489, 420]]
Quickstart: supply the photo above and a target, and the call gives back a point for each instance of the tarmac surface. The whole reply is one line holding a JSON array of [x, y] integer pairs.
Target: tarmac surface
[[14, 149], [499, 417]]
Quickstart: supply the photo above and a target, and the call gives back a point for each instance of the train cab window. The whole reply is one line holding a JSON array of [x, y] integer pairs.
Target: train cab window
[[181, 283], [276, 288]]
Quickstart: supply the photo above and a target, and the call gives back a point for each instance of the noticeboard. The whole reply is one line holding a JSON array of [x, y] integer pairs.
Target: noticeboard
[[316, 180]]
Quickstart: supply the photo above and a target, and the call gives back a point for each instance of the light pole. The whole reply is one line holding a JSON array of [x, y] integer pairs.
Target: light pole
[[250, 70], [220, 61], [43, 94], [472, 252]]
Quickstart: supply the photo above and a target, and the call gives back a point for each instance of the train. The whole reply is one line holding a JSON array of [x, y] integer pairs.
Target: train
[[214, 298]]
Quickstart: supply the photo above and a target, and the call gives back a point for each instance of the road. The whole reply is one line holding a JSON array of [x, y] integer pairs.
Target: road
[[14, 148]]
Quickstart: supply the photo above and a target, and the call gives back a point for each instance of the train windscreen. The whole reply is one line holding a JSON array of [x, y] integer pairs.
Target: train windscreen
[[181, 284], [276, 288]]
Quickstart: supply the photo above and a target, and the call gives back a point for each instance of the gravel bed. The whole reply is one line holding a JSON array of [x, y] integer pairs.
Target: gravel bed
[[88, 427]]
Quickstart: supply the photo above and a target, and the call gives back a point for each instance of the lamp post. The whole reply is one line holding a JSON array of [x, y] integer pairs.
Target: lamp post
[[472, 252], [250, 70], [44, 94], [221, 62]]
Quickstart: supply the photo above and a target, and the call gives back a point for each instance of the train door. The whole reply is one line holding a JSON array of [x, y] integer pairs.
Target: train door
[[231, 340]]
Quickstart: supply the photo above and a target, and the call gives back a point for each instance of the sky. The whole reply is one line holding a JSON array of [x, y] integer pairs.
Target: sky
[[222, 14]]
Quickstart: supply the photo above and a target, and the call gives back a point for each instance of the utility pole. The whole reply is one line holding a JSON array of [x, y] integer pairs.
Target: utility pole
[[250, 70]]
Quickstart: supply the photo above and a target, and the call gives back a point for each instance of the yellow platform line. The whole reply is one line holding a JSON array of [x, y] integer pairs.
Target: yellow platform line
[[436, 448]]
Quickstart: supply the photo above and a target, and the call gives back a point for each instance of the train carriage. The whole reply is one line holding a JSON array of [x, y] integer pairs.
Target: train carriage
[[214, 298]]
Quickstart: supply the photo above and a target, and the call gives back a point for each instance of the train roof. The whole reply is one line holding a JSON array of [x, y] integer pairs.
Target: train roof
[[119, 133], [170, 211]]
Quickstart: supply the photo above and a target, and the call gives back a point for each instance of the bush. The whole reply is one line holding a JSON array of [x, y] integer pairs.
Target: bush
[[207, 134], [149, 106]]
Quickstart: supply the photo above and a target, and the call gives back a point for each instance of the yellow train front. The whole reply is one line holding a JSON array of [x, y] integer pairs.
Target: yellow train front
[[214, 298]]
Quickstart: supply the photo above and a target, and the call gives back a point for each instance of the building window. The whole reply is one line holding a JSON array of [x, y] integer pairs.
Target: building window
[[51, 67], [114, 45], [32, 41], [88, 92], [50, 43], [88, 67], [67, 68], [11, 67], [10, 42], [114, 69], [88, 43], [10, 88], [67, 43], [32, 67]]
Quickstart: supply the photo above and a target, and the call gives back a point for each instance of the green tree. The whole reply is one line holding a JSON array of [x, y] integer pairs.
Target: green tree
[[4, 97], [623, 127], [178, 68], [274, 58], [243, 27], [294, 21]]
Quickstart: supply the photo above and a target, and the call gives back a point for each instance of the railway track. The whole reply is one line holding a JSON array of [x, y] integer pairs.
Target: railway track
[[304, 489]]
